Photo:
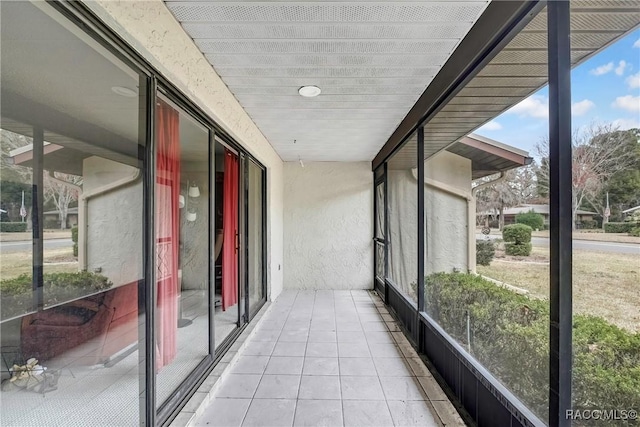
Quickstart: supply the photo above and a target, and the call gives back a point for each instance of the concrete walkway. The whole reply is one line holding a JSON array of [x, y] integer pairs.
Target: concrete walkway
[[328, 358]]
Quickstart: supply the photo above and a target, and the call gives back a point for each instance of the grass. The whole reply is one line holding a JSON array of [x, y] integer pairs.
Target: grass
[[13, 264], [604, 284]]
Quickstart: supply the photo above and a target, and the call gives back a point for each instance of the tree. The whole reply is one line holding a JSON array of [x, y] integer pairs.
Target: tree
[[599, 151], [62, 189], [518, 186]]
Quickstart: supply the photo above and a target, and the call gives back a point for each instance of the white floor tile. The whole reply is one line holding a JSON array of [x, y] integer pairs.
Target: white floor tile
[[360, 366], [239, 385], [321, 366], [289, 349], [322, 349], [319, 387], [412, 413], [402, 388], [270, 413], [320, 413], [224, 413], [250, 365], [360, 413], [285, 365], [278, 387], [361, 388]]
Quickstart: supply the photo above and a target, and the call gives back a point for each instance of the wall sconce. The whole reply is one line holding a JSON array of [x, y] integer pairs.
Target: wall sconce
[[194, 191]]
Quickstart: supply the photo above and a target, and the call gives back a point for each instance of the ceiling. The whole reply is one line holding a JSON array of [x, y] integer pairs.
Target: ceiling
[[518, 70], [372, 61]]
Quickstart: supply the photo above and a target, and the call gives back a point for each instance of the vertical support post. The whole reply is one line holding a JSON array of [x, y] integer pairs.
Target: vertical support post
[[560, 211], [147, 291], [37, 219], [421, 223], [387, 239]]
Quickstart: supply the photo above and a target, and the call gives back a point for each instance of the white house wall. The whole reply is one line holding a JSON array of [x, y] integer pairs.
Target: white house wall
[[446, 214], [117, 214], [328, 225], [151, 29]]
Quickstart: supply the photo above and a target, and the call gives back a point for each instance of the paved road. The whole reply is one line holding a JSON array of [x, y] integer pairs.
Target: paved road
[[7, 247], [586, 245]]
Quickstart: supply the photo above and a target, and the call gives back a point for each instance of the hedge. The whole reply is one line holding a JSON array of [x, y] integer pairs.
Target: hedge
[[635, 232], [485, 251], [517, 239], [13, 227], [74, 238], [517, 249], [16, 294], [532, 219], [517, 233], [510, 337], [620, 227]]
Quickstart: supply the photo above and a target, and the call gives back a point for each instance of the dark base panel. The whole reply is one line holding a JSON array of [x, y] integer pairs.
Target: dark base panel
[[404, 311]]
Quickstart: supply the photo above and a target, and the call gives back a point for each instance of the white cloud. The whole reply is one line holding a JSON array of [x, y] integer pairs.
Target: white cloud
[[622, 65], [633, 81], [627, 102], [492, 125], [637, 43], [580, 108], [535, 106], [624, 124], [603, 69]]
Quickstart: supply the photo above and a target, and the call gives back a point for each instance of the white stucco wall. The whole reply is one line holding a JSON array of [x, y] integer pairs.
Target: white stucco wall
[[151, 29], [447, 187], [113, 221], [328, 225]]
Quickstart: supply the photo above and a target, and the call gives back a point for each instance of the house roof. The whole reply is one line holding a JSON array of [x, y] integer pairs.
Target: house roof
[[488, 156], [72, 211], [541, 209]]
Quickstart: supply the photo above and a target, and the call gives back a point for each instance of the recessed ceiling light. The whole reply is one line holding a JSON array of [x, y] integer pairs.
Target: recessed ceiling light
[[309, 91], [124, 91]]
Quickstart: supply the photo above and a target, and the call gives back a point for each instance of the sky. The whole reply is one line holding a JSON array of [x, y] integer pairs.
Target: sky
[[605, 90]]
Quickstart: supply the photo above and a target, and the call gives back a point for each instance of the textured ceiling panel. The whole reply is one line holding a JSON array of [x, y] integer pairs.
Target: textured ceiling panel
[[412, 31], [327, 12], [372, 61], [387, 46], [326, 60], [314, 72]]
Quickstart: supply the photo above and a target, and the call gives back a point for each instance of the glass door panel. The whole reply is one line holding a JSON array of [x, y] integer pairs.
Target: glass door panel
[[255, 235]]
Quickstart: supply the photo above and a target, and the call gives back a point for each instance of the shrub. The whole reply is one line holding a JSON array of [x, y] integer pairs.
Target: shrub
[[532, 219], [510, 337], [51, 223], [517, 249], [13, 227], [517, 233], [620, 227], [588, 224], [485, 251], [74, 237], [635, 232], [16, 294]]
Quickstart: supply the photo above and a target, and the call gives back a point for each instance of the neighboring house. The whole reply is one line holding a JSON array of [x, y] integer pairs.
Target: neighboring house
[[511, 213], [72, 217], [632, 212]]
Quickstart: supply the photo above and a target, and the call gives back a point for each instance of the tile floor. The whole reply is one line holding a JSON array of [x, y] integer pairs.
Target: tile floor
[[328, 358]]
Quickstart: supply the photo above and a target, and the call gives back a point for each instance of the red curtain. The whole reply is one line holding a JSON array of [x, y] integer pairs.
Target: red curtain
[[230, 227], [167, 218]]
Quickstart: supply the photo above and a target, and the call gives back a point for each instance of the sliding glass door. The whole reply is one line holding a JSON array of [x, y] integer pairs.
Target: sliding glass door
[[255, 236]]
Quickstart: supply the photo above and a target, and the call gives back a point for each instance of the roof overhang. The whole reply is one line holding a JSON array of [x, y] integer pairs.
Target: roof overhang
[[501, 61], [488, 156]]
